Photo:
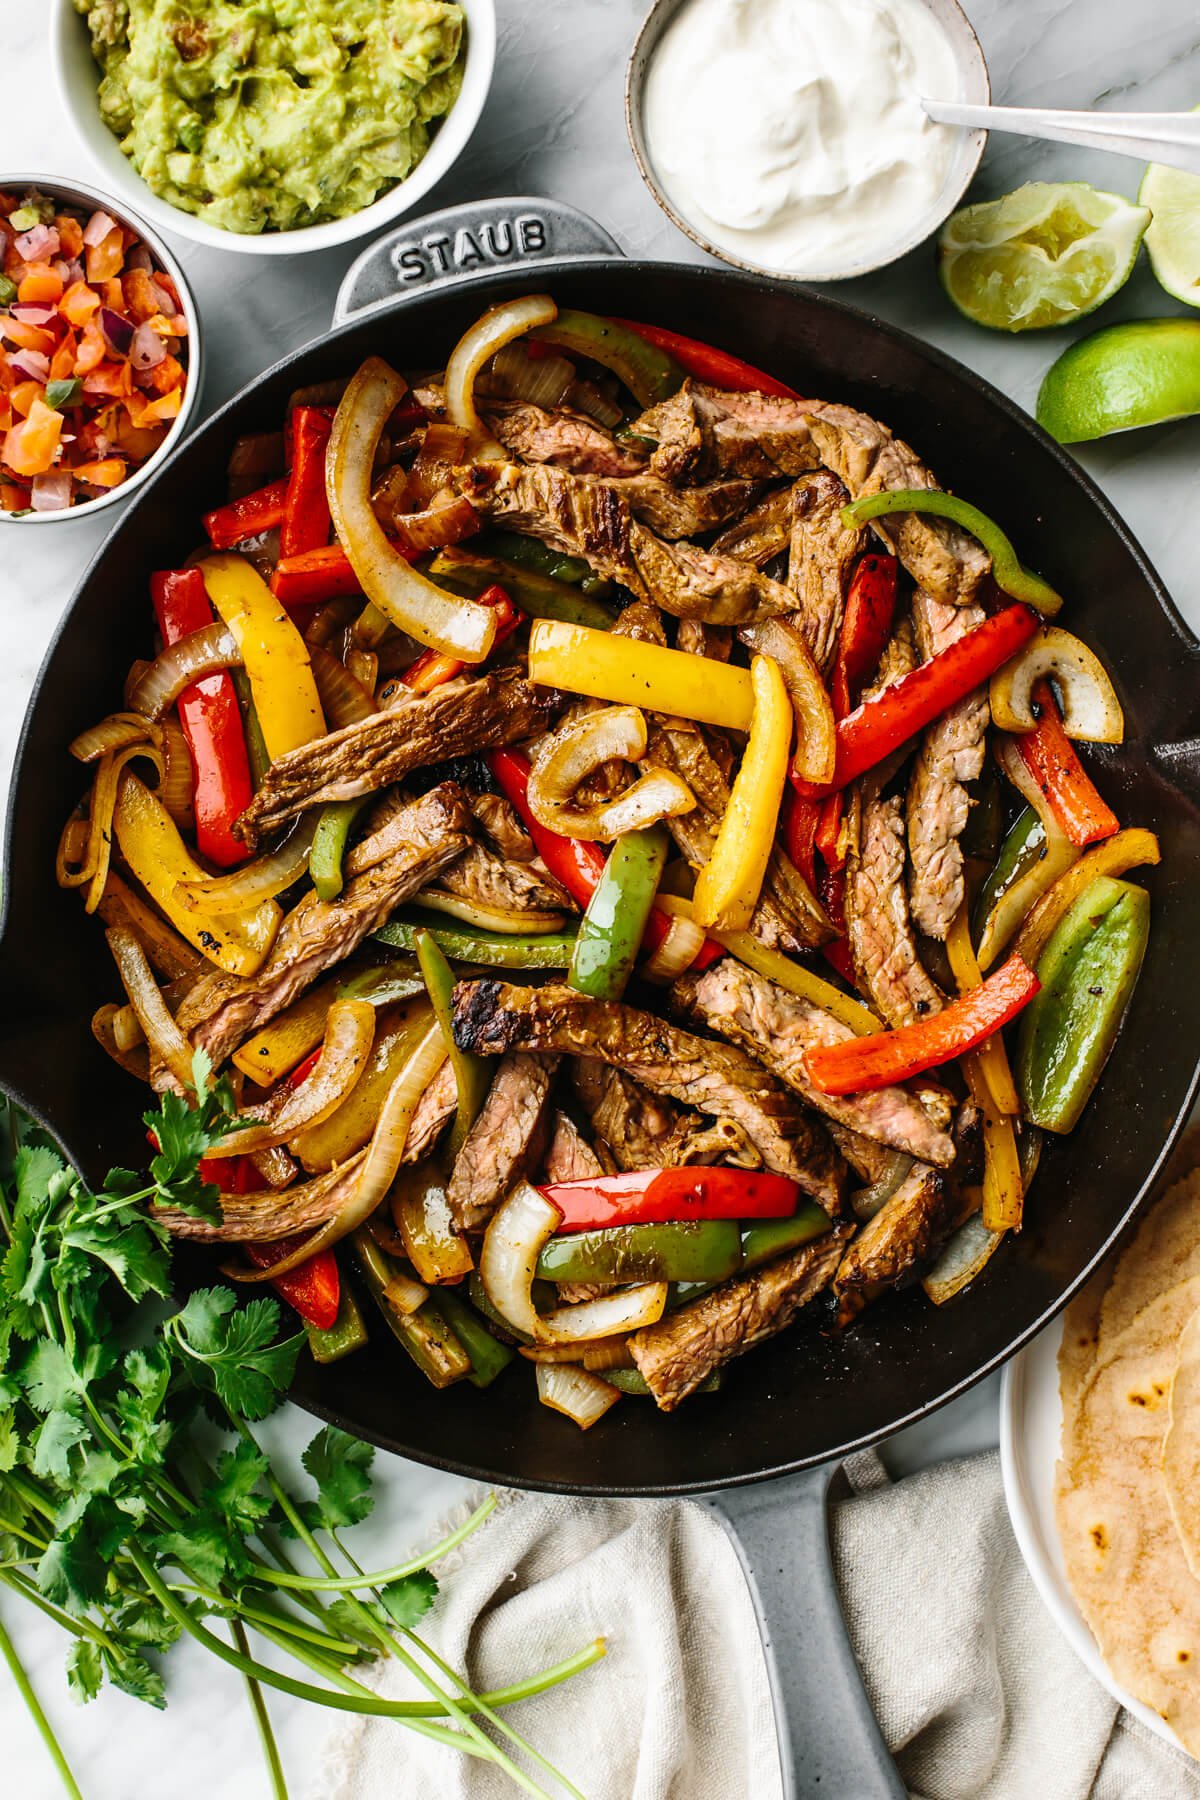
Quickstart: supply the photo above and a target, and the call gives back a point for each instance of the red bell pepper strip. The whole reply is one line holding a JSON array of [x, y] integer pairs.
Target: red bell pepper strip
[[832, 894], [313, 1288], [305, 523], [659, 1196], [801, 818], [866, 626], [232, 1174], [576, 863], [888, 719], [1049, 755], [887, 1057], [707, 363], [313, 576], [211, 720], [246, 517], [829, 830], [433, 667]]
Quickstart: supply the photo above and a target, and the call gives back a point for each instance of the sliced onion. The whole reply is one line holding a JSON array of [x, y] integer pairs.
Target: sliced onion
[[200, 653], [816, 733], [516, 1235], [586, 397], [628, 1309], [98, 228], [389, 494], [349, 1034], [1090, 709], [508, 919], [376, 1170], [277, 1168], [568, 1389], [513, 374], [169, 953], [404, 1295], [610, 1353], [363, 665], [134, 1061], [71, 866], [677, 951], [569, 755], [443, 447], [447, 520], [101, 806], [497, 327], [40, 243], [177, 789], [33, 312], [867, 1201], [117, 330], [263, 879], [1006, 917], [113, 733], [126, 1026], [460, 628], [146, 348], [34, 365], [50, 493], [167, 1043], [966, 1254], [344, 701], [551, 1353]]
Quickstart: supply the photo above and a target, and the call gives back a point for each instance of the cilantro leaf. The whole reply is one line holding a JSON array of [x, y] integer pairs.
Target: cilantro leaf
[[85, 1670], [184, 1133], [72, 1571], [341, 1467], [205, 1548], [60, 1432], [143, 1622], [133, 1675], [10, 1439], [407, 1601], [247, 1369], [232, 1495]]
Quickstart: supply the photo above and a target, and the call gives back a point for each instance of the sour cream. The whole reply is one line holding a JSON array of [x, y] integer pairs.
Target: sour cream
[[790, 133]]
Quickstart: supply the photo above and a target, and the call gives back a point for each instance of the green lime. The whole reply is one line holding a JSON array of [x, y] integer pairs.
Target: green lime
[[1045, 254], [1173, 239], [1141, 373]]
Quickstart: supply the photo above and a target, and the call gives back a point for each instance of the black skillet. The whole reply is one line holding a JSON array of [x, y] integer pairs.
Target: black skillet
[[804, 1400]]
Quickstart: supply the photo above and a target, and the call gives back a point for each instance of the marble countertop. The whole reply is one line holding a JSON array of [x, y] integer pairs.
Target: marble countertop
[[553, 124]]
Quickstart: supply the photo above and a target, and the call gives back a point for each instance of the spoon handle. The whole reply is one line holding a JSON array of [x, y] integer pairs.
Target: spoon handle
[[1172, 138]]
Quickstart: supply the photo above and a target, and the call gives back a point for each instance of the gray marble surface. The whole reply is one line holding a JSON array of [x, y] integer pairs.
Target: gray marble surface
[[553, 125]]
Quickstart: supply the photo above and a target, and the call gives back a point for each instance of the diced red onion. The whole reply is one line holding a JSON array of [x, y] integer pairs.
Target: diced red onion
[[50, 493], [139, 258], [117, 330], [97, 229], [32, 364], [73, 272], [34, 312], [146, 349], [37, 244]]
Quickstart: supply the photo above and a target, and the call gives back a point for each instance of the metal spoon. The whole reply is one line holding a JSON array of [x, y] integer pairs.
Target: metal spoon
[[1167, 137]]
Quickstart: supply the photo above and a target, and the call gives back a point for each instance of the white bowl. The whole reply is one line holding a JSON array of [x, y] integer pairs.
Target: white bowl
[[79, 80], [89, 199]]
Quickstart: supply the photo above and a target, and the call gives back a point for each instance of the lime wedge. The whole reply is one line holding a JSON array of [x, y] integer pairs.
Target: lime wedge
[[1141, 373], [1043, 255], [1173, 240]]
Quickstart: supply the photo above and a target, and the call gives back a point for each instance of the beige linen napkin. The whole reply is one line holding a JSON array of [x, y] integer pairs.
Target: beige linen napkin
[[978, 1694]]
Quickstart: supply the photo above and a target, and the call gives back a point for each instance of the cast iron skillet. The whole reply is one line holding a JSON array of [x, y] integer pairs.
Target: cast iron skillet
[[805, 1398]]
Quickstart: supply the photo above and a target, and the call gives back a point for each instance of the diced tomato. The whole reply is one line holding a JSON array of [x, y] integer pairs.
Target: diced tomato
[[108, 473], [40, 283], [79, 303], [70, 236], [24, 335], [62, 363], [30, 447], [105, 258], [24, 395]]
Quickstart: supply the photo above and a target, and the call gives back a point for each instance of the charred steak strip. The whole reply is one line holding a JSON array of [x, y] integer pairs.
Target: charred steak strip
[[650, 1131], [777, 1028], [434, 1109], [762, 533], [702, 431], [492, 1017], [821, 554], [453, 720], [506, 1139], [223, 1009], [491, 880], [877, 921], [950, 755], [904, 1233], [685, 1346], [569, 440]]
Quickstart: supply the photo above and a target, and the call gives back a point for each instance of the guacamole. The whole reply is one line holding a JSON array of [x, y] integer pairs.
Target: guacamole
[[265, 115]]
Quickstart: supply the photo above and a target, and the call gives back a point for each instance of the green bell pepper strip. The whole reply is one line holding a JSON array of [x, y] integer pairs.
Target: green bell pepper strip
[[256, 744], [424, 1334], [1023, 848], [492, 949], [1008, 571], [541, 596], [701, 1250], [489, 1357], [632, 1381], [612, 928], [648, 372], [384, 984], [768, 1238], [539, 559], [329, 845], [472, 1074], [1091, 966], [347, 1333], [983, 834]]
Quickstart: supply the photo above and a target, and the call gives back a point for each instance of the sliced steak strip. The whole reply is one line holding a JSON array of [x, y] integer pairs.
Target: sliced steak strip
[[453, 720], [569, 440], [221, 1010], [685, 1346], [649, 1131], [947, 562], [778, 1028], [491, 880], [685, 512], [434, 1110], [904, 1233], [492, 1016], [497, 819], [571, 1158], [949, 756], [702, 432], [877, 920], [507, 1138], [701, 584], [761, 534], [821, 552]]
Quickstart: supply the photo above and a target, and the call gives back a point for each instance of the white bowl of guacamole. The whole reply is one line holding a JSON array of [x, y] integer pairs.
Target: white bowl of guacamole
[[274, 126]]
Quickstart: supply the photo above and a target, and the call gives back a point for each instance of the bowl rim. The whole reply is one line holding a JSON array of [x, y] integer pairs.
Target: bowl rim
[[969, 57], [74, 192], [449, 141]]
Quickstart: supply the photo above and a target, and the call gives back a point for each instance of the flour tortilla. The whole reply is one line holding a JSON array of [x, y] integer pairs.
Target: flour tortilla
[[1165, 1249], [1181, 1446], [1124, 1558]]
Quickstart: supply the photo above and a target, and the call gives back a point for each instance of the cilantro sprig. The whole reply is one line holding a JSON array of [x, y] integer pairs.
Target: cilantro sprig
[[116, 1518]]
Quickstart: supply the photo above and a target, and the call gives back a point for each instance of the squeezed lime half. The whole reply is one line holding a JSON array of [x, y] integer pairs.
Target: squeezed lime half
[[1141, 373], [1173, 238], [1045, 254]]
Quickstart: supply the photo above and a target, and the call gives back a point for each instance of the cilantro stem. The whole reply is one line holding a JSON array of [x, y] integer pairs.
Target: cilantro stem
[[262, 1719], [280, 1624], [80, 1628], [16, 1530], [45, 1729], [341, 1584]]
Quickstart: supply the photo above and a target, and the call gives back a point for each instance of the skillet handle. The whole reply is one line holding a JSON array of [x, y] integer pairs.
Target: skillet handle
[[830, 1746], [476, 241]]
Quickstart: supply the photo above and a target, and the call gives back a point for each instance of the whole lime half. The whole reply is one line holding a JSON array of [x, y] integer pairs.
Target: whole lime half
[[1122, 376]]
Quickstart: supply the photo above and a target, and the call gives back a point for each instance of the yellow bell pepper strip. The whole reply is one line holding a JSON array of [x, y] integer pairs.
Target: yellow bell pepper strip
[[729, 884], [630, 673], [1127, 850], [1009, 573], [990, 1056], [1003, 1184], [273, 652], [156, 854]]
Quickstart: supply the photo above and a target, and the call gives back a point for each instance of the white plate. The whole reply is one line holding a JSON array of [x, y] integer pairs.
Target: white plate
[[1030, 1432]]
